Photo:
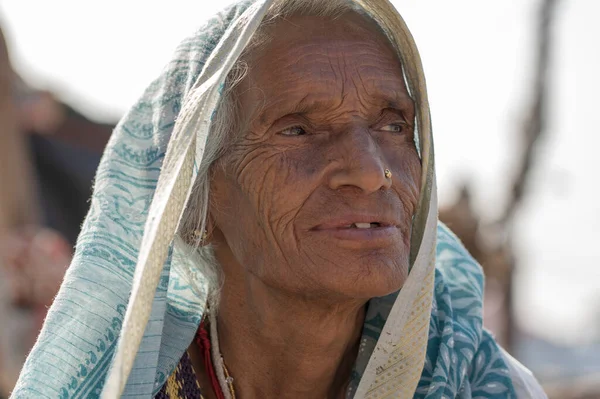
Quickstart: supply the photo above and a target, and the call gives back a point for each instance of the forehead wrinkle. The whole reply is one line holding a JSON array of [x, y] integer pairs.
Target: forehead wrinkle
[[298, 100], [384, 93], [312, 104], [331, 66]]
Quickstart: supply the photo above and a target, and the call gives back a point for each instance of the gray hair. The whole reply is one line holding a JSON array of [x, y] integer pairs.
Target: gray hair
[[227, 122]]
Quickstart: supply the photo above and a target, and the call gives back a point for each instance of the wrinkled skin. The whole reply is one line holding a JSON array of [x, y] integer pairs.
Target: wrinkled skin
[[324, 112], [327, 112]]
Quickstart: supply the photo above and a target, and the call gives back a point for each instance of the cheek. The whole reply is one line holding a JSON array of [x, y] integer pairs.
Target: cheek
[[276, 181], [407, 165], [412, 166]]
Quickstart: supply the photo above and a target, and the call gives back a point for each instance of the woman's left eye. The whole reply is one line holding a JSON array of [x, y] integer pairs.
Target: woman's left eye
[[293, 131], [394, 127]]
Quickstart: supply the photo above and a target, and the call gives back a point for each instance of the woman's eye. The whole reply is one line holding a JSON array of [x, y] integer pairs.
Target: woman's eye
[[293, 131], [394, 127]]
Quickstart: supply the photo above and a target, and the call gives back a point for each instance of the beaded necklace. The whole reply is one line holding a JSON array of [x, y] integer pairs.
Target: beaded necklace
[[204, 344]]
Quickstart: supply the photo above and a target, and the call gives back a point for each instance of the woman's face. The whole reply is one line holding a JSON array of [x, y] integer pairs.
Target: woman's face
[[327, 112]]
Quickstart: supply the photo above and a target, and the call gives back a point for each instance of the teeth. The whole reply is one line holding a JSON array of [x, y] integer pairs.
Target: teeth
[[362, 225]]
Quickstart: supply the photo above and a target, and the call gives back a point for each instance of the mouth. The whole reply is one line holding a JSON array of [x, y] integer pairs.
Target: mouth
[[361, 230], [356, 222]]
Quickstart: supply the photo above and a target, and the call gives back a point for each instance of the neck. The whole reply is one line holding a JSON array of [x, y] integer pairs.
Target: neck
[[277, 345]]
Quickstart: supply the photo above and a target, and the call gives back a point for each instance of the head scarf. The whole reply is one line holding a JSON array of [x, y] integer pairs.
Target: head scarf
[[132, 299]]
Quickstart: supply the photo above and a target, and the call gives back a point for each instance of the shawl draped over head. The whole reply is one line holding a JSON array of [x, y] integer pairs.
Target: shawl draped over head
[[133, 297]]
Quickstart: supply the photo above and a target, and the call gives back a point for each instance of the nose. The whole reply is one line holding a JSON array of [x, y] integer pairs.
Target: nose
[[361, 163]]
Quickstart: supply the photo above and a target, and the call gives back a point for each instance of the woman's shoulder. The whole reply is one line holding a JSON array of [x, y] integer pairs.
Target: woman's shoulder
[[462, 275], [524, 382]]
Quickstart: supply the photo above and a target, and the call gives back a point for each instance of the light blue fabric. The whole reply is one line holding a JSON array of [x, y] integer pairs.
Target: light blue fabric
[[76, 346]]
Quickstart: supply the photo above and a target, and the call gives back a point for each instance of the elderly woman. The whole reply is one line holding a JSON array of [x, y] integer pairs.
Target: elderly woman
[[264, 225]]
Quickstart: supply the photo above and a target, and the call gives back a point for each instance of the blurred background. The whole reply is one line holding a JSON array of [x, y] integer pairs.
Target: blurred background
[[513, 87]]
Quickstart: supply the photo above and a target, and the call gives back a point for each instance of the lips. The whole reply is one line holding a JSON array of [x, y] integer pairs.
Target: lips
[[361, 231]]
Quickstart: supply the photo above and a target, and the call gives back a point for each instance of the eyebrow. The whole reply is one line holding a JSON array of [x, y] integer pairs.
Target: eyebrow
[[306, 105]]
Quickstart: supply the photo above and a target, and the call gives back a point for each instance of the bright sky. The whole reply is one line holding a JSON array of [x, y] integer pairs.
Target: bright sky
[[100, 56]]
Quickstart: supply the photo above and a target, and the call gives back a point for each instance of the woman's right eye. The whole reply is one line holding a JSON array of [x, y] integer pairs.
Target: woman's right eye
[[293, 131]]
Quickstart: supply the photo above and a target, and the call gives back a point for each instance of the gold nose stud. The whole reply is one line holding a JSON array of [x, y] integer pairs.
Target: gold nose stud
[[387, 173]]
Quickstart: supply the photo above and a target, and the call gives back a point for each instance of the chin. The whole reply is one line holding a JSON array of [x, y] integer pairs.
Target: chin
[[371, 278]]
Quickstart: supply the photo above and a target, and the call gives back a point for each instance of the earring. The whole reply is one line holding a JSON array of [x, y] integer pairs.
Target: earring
[[201, 235], [387, 173]]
